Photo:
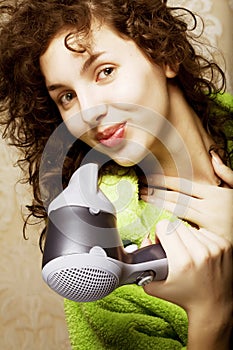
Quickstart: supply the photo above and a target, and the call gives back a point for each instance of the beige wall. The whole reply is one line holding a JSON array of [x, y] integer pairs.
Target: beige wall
[[31, 316], [218, 30]]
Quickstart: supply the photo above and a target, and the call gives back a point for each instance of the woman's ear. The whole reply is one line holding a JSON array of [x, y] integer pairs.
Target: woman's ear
[[169, 71]]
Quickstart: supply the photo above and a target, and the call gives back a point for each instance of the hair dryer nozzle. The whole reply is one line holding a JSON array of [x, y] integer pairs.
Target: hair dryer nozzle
[[83, 191]]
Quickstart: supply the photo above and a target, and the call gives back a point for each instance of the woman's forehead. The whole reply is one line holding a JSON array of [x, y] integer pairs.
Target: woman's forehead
[[99, 35], [67, 46]]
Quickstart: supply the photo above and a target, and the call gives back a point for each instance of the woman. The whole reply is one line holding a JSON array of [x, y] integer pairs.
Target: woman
[[120, 74]]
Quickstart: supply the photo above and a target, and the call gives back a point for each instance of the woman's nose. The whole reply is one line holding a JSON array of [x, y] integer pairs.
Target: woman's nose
[[91, 107], [93, 115]]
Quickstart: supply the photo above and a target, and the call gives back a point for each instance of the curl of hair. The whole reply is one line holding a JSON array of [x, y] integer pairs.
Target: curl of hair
[[28, 114]]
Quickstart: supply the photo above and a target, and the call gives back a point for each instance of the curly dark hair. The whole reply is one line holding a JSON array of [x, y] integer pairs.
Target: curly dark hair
[[29, 115]]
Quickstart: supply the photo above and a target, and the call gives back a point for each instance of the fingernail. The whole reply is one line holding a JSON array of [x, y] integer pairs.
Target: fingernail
[[216, 158], [151, 191], [143, 190], [146, 241]]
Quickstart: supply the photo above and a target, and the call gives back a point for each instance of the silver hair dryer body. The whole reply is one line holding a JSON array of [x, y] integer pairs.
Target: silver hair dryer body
[[84, 258]]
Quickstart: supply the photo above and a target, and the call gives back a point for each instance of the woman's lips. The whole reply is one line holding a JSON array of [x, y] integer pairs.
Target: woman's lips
[[112, 136]]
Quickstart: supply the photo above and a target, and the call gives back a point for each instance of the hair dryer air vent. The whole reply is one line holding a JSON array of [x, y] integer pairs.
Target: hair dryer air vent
[[83, 284]]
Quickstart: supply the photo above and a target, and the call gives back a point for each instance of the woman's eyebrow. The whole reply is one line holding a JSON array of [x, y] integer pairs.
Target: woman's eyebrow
[[87, 64], [54, 87], [93, 57]]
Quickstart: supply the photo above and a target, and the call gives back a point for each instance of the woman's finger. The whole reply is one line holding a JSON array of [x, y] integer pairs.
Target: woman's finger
[[169, 196], [176, 184], [198, 215], [199, 247], [211, 199], [185, 208], [223, 171], [167, 232], [221, 241], [146, 241]]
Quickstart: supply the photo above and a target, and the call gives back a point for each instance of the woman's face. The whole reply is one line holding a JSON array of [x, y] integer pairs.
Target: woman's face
[[112, 97]]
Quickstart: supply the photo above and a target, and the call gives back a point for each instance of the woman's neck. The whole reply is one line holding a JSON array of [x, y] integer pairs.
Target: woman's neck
[[184, 152]]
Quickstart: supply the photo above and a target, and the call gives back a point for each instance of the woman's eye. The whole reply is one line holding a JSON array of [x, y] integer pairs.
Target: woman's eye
[[105, 73], [67, 98]]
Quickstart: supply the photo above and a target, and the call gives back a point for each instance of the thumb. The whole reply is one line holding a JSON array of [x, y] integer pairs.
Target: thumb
[[156, 289]]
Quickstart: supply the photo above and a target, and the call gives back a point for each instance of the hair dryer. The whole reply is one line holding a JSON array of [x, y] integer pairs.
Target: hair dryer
[[84, 258]]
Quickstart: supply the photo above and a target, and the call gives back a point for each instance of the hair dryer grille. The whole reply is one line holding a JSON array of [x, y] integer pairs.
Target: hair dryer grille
[[83, 284]]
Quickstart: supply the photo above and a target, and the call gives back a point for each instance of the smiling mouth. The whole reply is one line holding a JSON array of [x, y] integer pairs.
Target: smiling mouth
[[112, 136]]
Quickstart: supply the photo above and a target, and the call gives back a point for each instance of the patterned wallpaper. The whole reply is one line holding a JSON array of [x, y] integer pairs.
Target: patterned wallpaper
[[31, 316]]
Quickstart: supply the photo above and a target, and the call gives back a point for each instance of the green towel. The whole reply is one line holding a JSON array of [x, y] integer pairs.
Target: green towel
[[128, 318]]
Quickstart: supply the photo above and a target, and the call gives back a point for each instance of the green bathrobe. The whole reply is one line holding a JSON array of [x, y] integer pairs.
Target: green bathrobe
[[128, 318]]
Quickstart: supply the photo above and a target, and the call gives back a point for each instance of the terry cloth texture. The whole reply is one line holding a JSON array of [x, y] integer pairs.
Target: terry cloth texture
[[128, 318]]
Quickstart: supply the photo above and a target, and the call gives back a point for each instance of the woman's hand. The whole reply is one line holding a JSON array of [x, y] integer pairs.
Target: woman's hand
[[209, 207], [199, 280], [200, 266]]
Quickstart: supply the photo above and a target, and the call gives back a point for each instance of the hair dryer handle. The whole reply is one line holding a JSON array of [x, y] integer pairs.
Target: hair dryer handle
[[148, 253]]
